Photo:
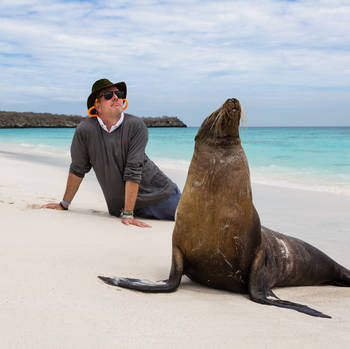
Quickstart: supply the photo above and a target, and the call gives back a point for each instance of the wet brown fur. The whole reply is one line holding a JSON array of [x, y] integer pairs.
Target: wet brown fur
[[217, 227]]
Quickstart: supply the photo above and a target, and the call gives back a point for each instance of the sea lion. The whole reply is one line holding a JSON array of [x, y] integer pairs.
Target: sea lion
[[218, 240]]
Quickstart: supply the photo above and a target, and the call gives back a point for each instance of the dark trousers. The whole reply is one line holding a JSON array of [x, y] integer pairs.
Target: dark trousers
[[164, 210]]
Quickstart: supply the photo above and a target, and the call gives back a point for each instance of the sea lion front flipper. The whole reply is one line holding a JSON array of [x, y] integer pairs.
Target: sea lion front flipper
[[260, 291], [169, 285]]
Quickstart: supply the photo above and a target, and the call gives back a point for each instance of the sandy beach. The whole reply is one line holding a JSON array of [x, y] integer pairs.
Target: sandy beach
[[50, 296]]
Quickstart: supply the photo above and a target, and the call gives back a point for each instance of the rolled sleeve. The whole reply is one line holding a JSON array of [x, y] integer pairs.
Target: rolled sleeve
[[80, 164], [136, 153]]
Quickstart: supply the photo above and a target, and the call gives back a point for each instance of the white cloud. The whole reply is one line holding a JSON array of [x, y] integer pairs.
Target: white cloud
[[196, 47]]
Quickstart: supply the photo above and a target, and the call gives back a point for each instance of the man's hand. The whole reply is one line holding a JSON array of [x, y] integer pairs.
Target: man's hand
[[73, 183], [131, 190], [52, 206], [133, 221]]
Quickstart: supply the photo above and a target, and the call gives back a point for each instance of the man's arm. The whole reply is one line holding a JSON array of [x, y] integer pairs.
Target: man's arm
[[131, 190], [73, 183]]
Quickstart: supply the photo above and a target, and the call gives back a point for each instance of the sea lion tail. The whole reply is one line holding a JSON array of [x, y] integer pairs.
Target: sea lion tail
[[343, 278], [169, 285]]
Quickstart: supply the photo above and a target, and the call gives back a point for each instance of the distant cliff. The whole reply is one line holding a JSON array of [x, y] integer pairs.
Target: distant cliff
[[164, 121], [26, 120], [35, 120]]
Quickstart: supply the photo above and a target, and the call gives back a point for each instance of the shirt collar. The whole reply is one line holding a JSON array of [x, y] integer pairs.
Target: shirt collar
[[115, 126]]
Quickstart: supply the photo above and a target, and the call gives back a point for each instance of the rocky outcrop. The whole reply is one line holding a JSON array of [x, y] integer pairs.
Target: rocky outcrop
[[34, 120], [45, 120], [164, 121]]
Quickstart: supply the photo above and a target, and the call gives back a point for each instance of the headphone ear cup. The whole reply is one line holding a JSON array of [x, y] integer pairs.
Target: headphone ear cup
[[91, 109], [126, 103]]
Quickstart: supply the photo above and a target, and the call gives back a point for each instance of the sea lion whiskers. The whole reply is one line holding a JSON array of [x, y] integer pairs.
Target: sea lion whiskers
[[221, 126], [221, 119]]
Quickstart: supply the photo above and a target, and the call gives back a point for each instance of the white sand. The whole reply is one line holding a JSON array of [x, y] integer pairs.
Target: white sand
[[50, 296]]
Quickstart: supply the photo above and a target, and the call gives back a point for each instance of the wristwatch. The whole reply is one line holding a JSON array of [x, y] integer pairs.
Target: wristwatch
[[64, 204], [127, 214]]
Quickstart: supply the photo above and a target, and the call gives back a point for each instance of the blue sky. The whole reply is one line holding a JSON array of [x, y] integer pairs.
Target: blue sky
[[288, 62]]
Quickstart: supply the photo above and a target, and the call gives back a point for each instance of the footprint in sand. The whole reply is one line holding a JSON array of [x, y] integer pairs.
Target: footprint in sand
[[33, 206]]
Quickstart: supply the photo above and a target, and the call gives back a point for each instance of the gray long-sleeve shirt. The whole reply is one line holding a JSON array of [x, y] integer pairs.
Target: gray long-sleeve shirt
[[118, 157]]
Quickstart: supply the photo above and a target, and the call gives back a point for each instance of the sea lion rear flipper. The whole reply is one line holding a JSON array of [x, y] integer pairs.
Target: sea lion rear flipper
[[169, 285], [260, 292]]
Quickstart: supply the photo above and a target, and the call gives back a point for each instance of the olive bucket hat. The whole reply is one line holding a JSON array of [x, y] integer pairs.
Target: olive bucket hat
[[100, 85]]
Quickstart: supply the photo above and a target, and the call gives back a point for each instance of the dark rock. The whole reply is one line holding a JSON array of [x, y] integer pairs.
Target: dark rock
[[34, 120], [164, 121], [37, 120]]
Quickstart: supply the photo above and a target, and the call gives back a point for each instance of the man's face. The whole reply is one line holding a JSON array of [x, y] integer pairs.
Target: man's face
[[112, 106]]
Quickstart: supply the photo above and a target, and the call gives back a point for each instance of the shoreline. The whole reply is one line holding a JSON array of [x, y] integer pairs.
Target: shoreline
[[55, 156], [50, 173], [51, 298]]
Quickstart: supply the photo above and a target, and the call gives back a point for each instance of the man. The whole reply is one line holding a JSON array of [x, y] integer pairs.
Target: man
[[113, 144]]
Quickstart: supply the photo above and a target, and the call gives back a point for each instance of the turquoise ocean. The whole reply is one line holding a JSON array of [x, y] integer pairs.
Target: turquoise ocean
[[309, 158]]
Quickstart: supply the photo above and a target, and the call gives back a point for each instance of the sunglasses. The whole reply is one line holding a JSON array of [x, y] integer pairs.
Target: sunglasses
[[109, 94]]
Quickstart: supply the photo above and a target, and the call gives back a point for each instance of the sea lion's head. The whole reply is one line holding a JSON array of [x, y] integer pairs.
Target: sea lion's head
[[221, 127]]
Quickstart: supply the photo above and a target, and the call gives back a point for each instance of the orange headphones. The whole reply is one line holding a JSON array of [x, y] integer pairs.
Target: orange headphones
[[93, 107]]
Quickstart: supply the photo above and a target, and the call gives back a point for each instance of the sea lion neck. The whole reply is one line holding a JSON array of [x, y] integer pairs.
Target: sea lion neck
[[221, 127]]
